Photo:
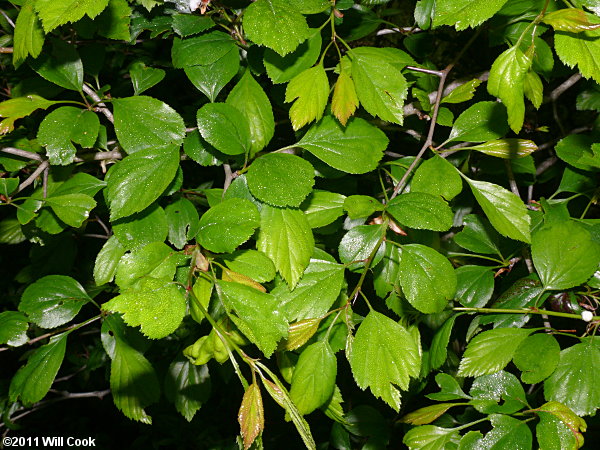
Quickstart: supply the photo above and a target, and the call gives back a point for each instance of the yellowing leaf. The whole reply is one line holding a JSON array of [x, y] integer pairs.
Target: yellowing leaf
[[310, 90], [506, 148], [344, 101], [251, 415]]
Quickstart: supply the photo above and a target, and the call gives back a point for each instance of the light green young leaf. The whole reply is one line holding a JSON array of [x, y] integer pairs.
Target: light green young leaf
[[251, 263], [286, 238], [257, 314], [462, 93], [421, 211], [491, 351], [465, 13], [309, 91], [228, 225], [564, 255], [397, 352], [506, 148], [250, 99], [13, 328], [72, 209], [427, 278], [107, 261], [506, 212], [572, 20], [480, 122], [437, 176], [360, 206], [32, 381], [53, 300], [381, 87], [201, 50], [431, 438], [137, 230], [427, 414], [62, 66], [133, 381], [533, 88], [357, 148], [275, 24], [449, 389], [314, 294], [155, 304], [322, 207], [574, 382], [19, 107], [225, 128], [210, 79], [145, 123], [143, 78], [581, 49], [138, 180], [506, 82], [156, 260], [314, 377], [29, 36], [280, 179], [54, 13], [537, 357]]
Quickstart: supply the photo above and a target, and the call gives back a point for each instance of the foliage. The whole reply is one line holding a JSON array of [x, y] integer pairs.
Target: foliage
[[307, 214]]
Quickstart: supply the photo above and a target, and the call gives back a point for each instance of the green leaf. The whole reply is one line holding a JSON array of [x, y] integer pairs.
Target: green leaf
[[506, 82], [314, 377], [574, 383], [133, 381], [396, 351], [115, 20], [19, 107], [11, 232], [571, 20], [257, 314], [282, 69], [228, 225], [491, 351], [427, 278], [506, 148], [314, 294], [357, 245], [32, 381], [506, 211], [250, 99], [559, 427], [201, 50], [430, 437], [581, 49], [138, 180], [576, 150], [475, 285], [533, 88], [281, 179], [8, 186], [480, 122], [187, 24], [421, 211], [251, 263], [53, 300], [309, 91], [142, 228], [450, 390], [62, 66], [438, 352], [464, 14], [29, 36], [275, 24], [80, 183], [356, 148], [72, 209], [13, 328], [478, 236], [508, 432], [322, 208], [381, 87], [157, 305], [211, 78], [145, 123], [428, 414], [143, 78], [499, 392], [360, 206], [54, 13], [537, 357], [156, 260], [437, 176], [286, 238], [187, 386], [462, 93], [564, 255], [225, 128], [107, 261], [183, 221]]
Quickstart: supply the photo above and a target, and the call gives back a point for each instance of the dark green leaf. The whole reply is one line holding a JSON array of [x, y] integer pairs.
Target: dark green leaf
[[224, 127], [187, 386], [143, 78], [478, 236], [188, 24], [438, 351], [183, 221], [421, 211], [202, 50], [357, 245], [156, 260], [499, 392], [211, 78], [360, 206], [107, 261], [576, 150], [537, 357], [437, 176], [482, 121], [322, 208], [142, 228], [13, 328], [281, 69], [475, 285], [62, 66]]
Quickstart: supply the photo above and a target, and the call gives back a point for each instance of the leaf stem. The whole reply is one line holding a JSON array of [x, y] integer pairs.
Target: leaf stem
[[522, 311]]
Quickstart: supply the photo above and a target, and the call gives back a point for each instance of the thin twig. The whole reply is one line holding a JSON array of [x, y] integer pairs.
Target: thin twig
[[21, 153], [41, 168], [437, 73], [511, 179], [228, 177], [545, 165], [564, 86], [101, 105], [8, 19], [45, 182], [6, 49]]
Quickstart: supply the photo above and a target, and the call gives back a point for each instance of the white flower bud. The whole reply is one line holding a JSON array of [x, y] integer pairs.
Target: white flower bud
[[587, 316]]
